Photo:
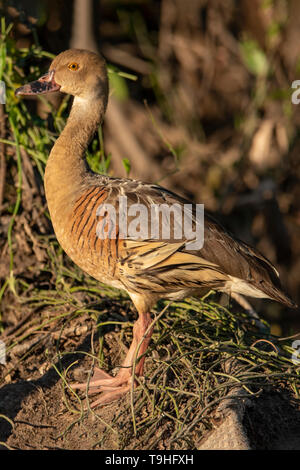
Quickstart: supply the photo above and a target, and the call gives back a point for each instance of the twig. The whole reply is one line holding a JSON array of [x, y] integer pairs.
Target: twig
[[265, 341]]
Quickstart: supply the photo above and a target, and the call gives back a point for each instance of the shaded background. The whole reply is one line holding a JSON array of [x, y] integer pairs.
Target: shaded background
[[209, 115]]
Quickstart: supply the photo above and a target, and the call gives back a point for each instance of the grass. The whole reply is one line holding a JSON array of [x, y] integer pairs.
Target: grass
[[195, 342], [200, 352]]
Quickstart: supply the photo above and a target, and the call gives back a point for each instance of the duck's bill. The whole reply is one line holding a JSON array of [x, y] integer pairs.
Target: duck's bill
[[45, 84]]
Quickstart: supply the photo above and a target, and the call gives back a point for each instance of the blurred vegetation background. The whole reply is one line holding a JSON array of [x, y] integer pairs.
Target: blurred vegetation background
[[200, 102]]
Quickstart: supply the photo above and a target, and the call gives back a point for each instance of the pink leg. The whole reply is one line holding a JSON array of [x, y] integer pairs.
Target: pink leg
[[114, 387]]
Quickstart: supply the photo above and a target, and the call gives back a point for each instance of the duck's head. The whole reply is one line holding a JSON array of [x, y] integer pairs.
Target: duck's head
[[77, 72]]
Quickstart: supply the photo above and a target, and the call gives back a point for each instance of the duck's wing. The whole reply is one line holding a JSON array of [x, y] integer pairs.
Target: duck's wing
[[152, 256]]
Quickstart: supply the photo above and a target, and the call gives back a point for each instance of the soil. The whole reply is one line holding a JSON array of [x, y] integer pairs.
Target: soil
[[35, 400], [273, 423], [45, 415]]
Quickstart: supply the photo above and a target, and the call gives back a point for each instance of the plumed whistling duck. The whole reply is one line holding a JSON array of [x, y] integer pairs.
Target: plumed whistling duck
[[147, 267]]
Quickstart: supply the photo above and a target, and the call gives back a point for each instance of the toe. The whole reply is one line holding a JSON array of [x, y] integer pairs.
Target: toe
[[109, 396]]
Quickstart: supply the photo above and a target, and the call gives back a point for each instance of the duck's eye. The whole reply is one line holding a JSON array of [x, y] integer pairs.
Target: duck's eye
[[73, 66]]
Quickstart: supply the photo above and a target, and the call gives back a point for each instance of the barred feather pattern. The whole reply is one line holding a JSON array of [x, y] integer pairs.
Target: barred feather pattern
[[159, 268]]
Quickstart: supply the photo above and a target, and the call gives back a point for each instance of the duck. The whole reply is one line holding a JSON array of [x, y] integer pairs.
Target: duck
[[109, 228]]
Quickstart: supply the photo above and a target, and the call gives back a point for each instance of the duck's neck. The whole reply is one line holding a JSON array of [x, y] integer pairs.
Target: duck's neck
[[66, 169]]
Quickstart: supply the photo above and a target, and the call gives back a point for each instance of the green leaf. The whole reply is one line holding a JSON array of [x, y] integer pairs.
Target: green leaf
[[118, 85], [127, 165], [254, 58]]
